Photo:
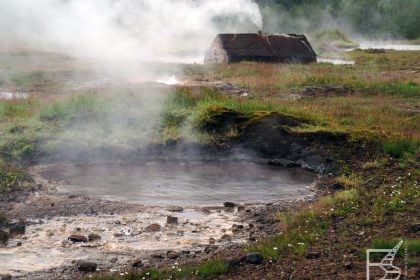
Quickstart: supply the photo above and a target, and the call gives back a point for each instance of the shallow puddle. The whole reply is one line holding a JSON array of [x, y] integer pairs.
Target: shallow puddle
[[184, 184]]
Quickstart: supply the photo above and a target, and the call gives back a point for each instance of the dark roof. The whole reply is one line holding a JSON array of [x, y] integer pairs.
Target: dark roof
[[260, 44]]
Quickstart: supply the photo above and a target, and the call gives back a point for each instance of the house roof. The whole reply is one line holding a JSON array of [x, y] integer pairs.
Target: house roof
[[260, 44]]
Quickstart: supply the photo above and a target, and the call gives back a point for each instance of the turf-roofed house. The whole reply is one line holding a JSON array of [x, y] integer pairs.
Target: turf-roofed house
[[261, 47]]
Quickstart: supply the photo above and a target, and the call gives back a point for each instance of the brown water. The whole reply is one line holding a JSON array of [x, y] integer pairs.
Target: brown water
[[185, 184]]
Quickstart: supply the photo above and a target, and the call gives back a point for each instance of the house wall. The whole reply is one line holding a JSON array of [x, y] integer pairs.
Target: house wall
[[216, 54]]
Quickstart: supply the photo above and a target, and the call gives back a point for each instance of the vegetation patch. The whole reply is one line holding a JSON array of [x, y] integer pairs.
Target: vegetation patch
[[11, 177]]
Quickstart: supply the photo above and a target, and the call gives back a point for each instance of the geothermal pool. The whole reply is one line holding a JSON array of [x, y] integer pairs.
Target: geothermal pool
[[124, 236], [183, 184]]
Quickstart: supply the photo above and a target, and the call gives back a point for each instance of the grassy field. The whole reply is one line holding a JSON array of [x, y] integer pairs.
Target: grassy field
[[383, 108]]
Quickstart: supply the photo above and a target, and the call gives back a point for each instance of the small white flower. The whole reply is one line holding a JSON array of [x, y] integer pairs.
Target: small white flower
[[300, 243], [290, 245], [274, 248]]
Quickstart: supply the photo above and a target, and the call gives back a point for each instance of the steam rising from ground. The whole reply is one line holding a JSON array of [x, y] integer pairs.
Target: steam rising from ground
[[120, 40], [168, 30]]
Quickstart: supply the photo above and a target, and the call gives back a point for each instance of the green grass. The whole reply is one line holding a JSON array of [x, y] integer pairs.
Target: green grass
[[400, 147], [206, 270], [303, 228], [412, 245], [12, 177], [80, 106], [28, 80]]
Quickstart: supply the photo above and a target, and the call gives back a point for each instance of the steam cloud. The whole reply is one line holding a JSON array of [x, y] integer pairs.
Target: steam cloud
[[167, 30], [120, 37]]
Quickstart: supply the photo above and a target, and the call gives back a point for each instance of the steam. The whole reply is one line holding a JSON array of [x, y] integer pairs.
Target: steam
[[112, 30], [120, 40]]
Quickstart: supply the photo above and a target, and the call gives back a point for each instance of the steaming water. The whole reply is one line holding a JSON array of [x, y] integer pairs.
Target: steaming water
[[13, 95], [336, 61], [170, 81], [388, 46], [192, 184]]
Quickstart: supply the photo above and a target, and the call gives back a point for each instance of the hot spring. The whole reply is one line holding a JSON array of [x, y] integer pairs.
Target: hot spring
[[184, 184]]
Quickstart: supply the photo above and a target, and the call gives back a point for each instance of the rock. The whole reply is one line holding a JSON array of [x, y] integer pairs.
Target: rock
[[312, 255], [172, 255], [348, 265], [4, 238], [233, 263], [212, 241], [254, 258], [153, 228], [283, 162], [415, 228], [93, 237], [77, 238], [137, 263], [171, 220], [157, 256], [87, 266], [252, 238], [17, 229], [237, 228], [327, 90], [5, 277], [175, 209], [225, 237], [210, 248], [113, 260], [337, 186], [229, 204]]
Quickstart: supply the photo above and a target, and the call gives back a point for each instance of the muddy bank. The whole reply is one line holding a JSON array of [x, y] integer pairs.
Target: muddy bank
[[266, 138]]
